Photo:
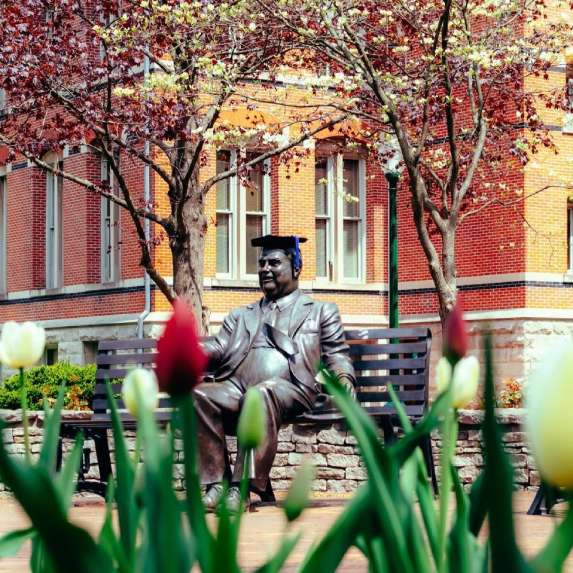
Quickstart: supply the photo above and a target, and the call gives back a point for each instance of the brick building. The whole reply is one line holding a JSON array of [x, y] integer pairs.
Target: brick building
[[70, 259]]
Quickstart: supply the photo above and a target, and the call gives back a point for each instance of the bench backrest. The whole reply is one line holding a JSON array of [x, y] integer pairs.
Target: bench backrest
[[381, 356], [396, 356]]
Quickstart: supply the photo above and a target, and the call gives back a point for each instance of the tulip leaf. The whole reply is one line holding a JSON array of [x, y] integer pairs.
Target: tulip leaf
[[34, 489], [51, 432], [107, 538], [225, 546], [558, 547], [328, 553], [478, 505], [276, 562], [187, 423], [382, 474], [128, 512], [11, 543], [65, 480], [498, 484]]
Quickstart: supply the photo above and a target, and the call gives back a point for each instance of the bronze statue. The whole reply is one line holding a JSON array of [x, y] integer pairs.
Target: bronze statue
[[276, 344]]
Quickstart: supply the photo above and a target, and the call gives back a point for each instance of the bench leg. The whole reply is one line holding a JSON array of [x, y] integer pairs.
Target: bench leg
[[103, 455], [59, 453], [388, 430], [535, 507], [426, 446], [268, 496]]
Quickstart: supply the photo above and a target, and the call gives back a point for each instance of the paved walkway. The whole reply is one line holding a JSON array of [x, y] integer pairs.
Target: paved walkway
[[265, 527]]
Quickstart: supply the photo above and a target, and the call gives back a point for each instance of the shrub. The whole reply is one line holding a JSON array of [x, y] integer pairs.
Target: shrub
[[45, 381]]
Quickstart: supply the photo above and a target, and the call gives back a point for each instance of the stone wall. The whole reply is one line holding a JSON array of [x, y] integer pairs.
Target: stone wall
[[333, 450]]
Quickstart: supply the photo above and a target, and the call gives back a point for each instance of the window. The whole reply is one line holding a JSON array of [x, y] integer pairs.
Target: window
[[54, 188], [90, 351], [243, 212], [570, 238], [109, 231], [339, 218], [51, 355], [3, 235]]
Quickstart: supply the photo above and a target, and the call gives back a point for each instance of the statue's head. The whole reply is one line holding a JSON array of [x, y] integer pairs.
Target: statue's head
[[280, 263]]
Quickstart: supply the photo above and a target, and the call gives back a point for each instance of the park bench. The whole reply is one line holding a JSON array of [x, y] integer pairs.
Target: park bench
[[381, 356]]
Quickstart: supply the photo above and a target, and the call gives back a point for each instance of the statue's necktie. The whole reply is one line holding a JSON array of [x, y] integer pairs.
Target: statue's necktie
[[271, 313]]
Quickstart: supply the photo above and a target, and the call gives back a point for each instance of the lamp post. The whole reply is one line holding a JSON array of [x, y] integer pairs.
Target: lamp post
[[391, 163]]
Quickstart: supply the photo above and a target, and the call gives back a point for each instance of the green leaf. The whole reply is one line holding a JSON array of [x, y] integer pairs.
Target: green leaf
[[276, 562], [225, 546], [498, 484], [552, 557], [51, 433], [478, 505], [107, 538], [34, 489], [65, 480], [187, 423], [127, 509], [326, 556], [11, 543], [382, 474]]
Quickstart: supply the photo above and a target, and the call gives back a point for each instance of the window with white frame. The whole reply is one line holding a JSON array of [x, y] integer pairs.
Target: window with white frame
[[3, 235], [109, 229], [243, 212], [340, 190], [54, 188]]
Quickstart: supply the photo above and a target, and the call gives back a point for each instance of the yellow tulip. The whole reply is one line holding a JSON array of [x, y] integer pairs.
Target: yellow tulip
[[21, 345], [143, 382], [464, 379], [549, 423]]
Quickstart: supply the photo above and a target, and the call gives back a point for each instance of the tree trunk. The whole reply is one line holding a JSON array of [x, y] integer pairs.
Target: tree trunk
[[188, 252], [447, 294]]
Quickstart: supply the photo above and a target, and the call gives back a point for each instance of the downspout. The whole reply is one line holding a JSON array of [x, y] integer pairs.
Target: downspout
[[146, 224]]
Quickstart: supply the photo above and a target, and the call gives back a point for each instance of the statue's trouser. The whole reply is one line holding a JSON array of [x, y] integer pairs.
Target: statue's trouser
[[218, 405]]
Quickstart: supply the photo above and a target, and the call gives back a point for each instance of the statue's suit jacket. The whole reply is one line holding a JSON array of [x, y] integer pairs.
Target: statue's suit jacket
[[315, 329]]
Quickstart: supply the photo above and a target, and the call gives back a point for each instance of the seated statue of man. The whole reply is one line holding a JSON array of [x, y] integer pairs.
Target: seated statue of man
[[275, 344]]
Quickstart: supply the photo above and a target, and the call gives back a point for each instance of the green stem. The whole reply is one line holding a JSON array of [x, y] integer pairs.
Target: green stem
[[24, 406], [449, 435]]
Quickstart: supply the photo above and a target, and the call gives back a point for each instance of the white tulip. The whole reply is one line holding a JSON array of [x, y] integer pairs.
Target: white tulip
[[21, 345], [144, 382], [464, 379], [549, 423]]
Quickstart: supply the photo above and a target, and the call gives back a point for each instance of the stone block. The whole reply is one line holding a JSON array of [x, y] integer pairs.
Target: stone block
[[304, 448], [342, 460], [466, 461], [304, 436], [519, 460], [295, 459], [332, 436], [350, 439], [330, 473], [521, 476], [468, 473], [285, 447], [281, 485], [339, 486], [319, 485], [278, 472], [281, 460], [358, 473], [332, 449], [534, 478], [285, 433]]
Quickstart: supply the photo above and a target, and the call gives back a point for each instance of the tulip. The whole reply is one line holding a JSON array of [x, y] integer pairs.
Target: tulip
[[455, 335], [143, 383], [21, 345], [549, 423], [464, 378], [252, 427], [180, 359], [297, 497]]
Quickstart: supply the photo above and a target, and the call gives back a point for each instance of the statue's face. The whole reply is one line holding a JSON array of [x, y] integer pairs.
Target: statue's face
[[276, 276]]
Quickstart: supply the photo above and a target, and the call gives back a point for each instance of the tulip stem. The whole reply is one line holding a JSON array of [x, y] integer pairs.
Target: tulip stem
[[449, 434], [24, 406]]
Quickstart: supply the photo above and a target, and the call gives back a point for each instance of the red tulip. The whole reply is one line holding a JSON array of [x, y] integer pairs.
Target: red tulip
[[180, 359], [455, 335]]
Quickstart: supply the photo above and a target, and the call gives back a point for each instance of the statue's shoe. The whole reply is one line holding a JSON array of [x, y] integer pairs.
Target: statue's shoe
[[212, 497], [233, 500]]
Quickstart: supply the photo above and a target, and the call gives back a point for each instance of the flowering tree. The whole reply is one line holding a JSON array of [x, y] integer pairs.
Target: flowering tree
[[147, 83], [451, 82]]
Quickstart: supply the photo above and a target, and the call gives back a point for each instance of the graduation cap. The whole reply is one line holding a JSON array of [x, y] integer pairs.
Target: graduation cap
[[287, 243]]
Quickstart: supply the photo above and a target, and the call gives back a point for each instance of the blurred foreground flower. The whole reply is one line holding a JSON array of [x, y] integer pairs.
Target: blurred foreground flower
[[143, 382], [549, 403], [180, 359], [21, 345], [297, 497], [464, 379], [252, 427], [455, 335]]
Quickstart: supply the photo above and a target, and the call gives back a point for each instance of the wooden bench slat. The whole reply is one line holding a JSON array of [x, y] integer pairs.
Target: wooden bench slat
[[101, 404], [399, 348], [415, 411], [112, 359], [395, 380], [103, 374], [390, 364], [387, 333], [129, 343], [384, 396]]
